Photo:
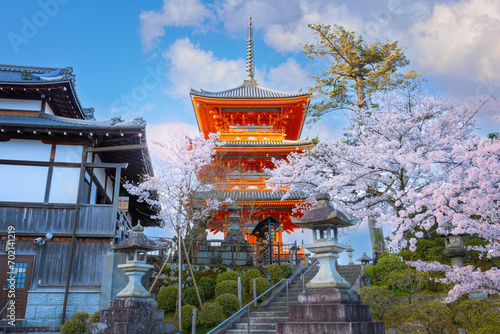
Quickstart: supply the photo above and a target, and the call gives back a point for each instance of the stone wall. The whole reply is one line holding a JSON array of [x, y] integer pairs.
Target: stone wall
[[45, 307]]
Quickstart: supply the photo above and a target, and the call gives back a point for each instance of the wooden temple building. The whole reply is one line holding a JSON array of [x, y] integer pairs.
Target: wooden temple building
[[255, 125], [62, 199]]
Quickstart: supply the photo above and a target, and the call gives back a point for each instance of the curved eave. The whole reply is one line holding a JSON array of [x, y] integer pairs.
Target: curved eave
[[206, 121], [63, 102]]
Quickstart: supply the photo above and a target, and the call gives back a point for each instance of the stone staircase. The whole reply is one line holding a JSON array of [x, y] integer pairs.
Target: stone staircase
[[264, 320]]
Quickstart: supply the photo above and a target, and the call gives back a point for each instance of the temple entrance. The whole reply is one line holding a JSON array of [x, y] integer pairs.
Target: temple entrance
[[19, 275], [265, 233]]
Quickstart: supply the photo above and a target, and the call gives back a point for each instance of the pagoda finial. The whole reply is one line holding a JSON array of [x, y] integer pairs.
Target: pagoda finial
[[250, 64]]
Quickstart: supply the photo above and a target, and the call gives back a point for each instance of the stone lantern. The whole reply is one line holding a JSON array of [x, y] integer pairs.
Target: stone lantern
[[136, 247], [455, 249], [349, 254], [327, 305], [133, 311], [233, 232], [325, 221], [364, 259]]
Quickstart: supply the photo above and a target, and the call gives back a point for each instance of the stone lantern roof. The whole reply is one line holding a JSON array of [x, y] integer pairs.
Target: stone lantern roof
[[364, 258], [137, 241], [323, 213]]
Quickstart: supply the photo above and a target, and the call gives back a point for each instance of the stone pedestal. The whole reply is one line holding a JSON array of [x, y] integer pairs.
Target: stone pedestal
[[132, 316], [324, 311]]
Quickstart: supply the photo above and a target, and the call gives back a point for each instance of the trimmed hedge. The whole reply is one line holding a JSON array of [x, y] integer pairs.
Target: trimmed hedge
[[167, 298], [262, 286], [93, 318], [77, 324], [207, 285], [211, 314], [275, 272], [187, 316], [229, 276], [226, 287], [189, 297], [229, 303], [286, 271], [250, 274]]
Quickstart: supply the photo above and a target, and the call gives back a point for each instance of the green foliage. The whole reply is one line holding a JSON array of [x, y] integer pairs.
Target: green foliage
[[93, 318], [229, 303], [167, 298], [248, 277], [207, 285], [386, 264], [355, 66], [187, 316], [211, 314], [229, 275], [476, 316], [286, 271], [408, 280], [275, 272], [189, 297], [77, 324], [226, 287], [262, 285], [398, 318], [434, 317], [378, 299]]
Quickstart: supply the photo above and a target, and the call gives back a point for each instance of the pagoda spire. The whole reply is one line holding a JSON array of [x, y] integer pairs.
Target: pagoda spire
[[250, 63]]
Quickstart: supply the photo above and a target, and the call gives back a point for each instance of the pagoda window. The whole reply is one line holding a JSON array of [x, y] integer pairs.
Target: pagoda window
[[9, 106]]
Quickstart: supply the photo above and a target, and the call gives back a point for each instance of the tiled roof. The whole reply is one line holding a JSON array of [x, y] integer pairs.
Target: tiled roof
[[31, 74], [252, 195], [265, 143], [52, 121], [252, 91]]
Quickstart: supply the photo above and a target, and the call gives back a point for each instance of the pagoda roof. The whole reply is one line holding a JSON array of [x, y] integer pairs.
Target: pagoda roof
[[264, 143], [249, 90], [54, 83], [253, 195]]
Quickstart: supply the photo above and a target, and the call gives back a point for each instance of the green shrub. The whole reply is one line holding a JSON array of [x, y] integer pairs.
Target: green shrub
[[435, 317], [189, 297], [229, 303], [229, 276], [167, 298], [378, 299], [476, 316], [207, 285], [211, 314], [286, 271], [93, 319], [77, 324], [187, 316], [250, 274], [400, 318], [226, 287], [275, 272], [262, 286]]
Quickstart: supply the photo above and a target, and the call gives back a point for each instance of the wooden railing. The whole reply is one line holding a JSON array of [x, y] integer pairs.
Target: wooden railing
[[95, 220]]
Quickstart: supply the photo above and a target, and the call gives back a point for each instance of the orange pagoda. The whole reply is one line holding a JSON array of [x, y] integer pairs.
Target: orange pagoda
[[255, 125]]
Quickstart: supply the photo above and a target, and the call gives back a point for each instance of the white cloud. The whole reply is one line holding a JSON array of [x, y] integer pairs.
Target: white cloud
[[178, 13], [286, 77], [190, 66], [462, 39]]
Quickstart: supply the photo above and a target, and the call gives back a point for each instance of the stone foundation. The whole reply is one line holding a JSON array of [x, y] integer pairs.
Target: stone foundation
[[323, 311], [44, 308], [132, 316]]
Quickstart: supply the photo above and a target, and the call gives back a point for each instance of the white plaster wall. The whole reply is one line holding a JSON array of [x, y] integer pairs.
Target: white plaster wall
[[64, 187], [22, 183], [18, 104], [109, 188], [69, 153], [24, 149], [48, 109]]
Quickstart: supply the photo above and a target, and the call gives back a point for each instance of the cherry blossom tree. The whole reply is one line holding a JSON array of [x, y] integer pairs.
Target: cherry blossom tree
[[180, 160], [413, 162]]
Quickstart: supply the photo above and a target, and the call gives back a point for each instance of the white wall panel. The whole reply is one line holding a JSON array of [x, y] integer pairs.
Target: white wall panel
[[64, 185], [22, 183], [18, 104], [69, 153], [24, 149]]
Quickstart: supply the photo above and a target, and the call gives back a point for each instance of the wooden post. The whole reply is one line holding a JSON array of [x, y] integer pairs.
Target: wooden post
[[392, 331], [239, 291], [193, 324], [255, 291], [73, 233], [192, 274]]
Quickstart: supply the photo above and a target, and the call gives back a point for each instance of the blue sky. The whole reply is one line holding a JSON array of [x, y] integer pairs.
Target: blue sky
[[139, 58]]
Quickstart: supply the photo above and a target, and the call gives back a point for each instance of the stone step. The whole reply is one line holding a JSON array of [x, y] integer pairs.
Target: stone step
[[266, 314], [255, 325], [271, 319], [253, 331]]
